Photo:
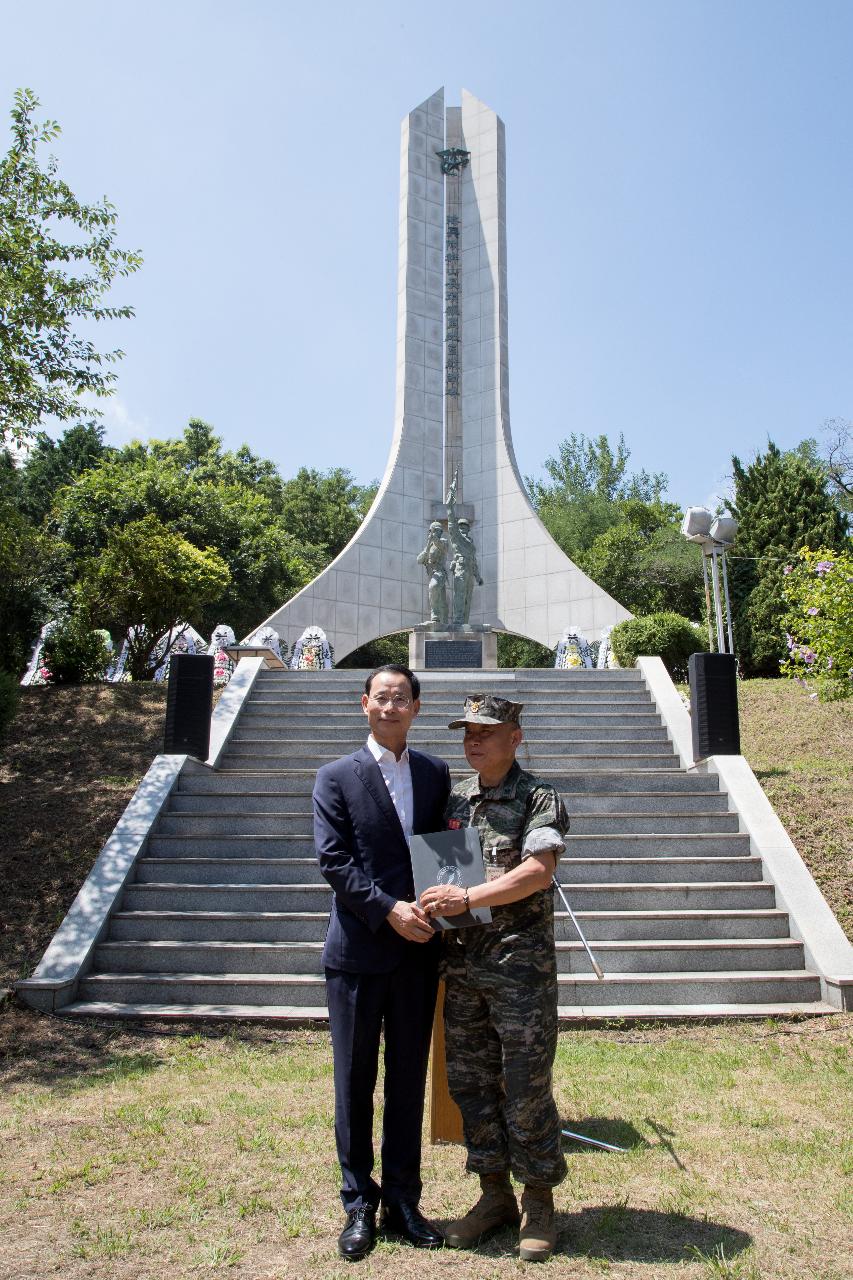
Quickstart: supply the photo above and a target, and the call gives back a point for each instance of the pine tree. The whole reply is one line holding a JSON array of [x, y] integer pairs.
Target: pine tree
[[781, 504]]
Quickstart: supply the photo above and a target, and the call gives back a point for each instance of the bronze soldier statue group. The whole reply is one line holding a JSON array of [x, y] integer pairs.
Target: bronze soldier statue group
[[382, 959]]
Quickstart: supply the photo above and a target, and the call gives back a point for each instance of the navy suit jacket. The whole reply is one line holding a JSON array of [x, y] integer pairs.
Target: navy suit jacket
[[364, 855]]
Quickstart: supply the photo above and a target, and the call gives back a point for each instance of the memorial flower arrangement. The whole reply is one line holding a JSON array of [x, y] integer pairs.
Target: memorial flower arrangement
[[819, 593], [573, 651]]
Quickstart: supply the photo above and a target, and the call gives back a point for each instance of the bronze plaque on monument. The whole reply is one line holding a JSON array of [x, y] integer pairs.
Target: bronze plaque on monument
[[454, 654]]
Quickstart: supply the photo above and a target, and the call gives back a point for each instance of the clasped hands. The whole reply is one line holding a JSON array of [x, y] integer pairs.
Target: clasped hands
[[412, 920]]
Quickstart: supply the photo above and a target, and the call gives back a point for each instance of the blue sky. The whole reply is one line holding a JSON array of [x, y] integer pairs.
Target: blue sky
[[680, 186]]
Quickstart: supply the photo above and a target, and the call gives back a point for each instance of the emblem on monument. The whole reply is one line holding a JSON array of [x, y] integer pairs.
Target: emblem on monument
[[453, 159]]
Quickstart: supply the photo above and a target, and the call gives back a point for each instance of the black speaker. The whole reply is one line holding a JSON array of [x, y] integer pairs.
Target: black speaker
[[713, 705], [189, 704]]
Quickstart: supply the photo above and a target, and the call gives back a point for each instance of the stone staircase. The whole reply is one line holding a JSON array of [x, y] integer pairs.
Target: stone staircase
[[227, 911]]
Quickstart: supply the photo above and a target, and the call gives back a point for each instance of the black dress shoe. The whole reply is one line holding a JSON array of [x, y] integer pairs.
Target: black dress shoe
[[407, 1221], [359, 1235]]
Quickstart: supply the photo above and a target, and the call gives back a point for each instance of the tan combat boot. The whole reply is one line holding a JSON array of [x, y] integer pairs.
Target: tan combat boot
[[496, 1207], [538, 1235]]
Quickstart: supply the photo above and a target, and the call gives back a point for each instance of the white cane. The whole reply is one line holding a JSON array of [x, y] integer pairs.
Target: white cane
[[592, 959], [570, 1133]]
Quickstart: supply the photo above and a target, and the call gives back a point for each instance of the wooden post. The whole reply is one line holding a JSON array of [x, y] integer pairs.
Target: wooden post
[[445, 1118]]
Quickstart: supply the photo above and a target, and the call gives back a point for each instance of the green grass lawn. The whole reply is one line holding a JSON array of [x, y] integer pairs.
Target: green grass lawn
[[155, 1153], [132, 1153]]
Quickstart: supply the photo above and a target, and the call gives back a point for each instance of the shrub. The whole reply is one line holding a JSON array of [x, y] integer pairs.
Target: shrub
[[819, 595], [74, 653], [663, 635], [10, 694]]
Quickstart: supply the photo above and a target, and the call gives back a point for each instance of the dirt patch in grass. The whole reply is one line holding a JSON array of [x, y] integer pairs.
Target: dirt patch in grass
[[802, 753], [137, 1153], [69, 763]]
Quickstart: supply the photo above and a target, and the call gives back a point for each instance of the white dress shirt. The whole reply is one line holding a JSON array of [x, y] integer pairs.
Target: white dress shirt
[[398, 780]]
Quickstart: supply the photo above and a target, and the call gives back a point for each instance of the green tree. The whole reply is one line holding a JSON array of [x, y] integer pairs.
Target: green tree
[[518, 651], [819, 596], [200, 494], [25, 565], [782, 504], [58, 261], [587, 482], [326, 507], [53, 464], [146, 580], [645, 563]]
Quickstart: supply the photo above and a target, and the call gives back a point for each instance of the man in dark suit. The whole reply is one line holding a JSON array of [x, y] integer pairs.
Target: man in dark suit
[[380, 957]]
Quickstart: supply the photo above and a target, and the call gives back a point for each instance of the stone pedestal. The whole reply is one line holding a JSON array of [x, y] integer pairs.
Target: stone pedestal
[[469, 648]]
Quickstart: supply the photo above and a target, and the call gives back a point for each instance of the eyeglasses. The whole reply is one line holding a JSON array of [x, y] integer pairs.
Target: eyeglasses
[[396, 700]]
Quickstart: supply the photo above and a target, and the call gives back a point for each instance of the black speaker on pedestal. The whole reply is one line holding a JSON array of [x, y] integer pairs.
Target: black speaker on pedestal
[[189, 705], [713, 705]]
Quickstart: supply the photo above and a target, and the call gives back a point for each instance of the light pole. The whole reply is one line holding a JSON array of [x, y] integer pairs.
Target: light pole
[[714, 534]]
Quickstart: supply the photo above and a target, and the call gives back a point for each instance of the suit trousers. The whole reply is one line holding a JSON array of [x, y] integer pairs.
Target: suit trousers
[[402, 1002]]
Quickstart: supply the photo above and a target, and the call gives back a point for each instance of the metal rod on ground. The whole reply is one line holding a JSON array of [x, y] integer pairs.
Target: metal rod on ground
[[593, 1142], [728, 604], [592, 959]]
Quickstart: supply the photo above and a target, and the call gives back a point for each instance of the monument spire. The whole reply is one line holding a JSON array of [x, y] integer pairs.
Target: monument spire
[[451, 416]]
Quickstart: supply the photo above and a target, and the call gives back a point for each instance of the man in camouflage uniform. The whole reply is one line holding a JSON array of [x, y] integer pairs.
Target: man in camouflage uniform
[[500, 1007]]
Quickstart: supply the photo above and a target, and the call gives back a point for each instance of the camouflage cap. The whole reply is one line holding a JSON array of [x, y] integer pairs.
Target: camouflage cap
[[485, 708]]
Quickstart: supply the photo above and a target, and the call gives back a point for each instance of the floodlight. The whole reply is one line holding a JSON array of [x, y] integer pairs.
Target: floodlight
[[696, 524], [723, 530]]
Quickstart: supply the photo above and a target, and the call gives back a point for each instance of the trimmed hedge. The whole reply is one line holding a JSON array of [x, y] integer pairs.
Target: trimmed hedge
[[662, 635], [74, 653]]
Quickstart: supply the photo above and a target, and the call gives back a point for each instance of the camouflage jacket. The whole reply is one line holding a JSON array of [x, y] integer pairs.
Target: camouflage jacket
[[504, 815]]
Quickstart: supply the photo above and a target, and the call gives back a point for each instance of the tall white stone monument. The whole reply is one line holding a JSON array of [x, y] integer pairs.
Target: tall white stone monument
[[451, 415]]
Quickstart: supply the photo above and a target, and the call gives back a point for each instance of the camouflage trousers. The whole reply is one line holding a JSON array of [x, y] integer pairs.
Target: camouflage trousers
[[500, 1025]]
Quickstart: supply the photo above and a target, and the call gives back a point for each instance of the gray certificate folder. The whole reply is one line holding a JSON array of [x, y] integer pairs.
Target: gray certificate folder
[[450, 857]]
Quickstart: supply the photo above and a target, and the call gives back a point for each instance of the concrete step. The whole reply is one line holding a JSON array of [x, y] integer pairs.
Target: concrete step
[[356, 676], [568, 1015], [254, 761], [299, 782], [628, 926], [298, 844], [265, 710], [657, 845], [652, 824], [228, 870], [696, 895], [450, 703], [316, 751], [310, 926], [693, 895], [229, 822], [334, 730], [608, 755], [164, 895], [660, 870], [222, 926], [632, 804], [225, 823], [244, 957], [732, 987]]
